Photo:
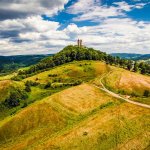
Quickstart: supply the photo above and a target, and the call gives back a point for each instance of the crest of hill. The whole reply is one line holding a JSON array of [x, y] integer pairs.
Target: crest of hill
[[75, 53], [70, 53]]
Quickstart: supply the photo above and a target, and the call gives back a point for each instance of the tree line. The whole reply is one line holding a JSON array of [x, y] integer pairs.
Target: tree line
[[72, 53]]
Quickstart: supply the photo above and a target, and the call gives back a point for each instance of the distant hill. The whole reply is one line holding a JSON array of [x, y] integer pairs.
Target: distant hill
[[143, 57], [132, 56], [11, 63]]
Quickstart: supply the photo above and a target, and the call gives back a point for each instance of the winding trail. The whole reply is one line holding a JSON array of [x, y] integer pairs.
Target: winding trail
[[117, 95]]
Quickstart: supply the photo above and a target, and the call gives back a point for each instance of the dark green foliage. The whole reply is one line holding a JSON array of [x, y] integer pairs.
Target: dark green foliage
[[146, 93], [25, 104], [136, 67], [129, 65], [133, 94], [48, 85], [31, 83], [27, 88], [12, 63], [52, 75], [16, 78], [16, 95], [78, 82], [145, 68], [57, 79]]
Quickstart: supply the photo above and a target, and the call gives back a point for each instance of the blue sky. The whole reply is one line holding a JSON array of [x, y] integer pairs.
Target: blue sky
[[46, 26]]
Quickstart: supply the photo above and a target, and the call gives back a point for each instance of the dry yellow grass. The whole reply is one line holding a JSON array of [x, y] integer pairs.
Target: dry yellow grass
[[4, 85], [32, 123], [105, 130], [45, 117], [127, 82], [43, 125], [81, 99]]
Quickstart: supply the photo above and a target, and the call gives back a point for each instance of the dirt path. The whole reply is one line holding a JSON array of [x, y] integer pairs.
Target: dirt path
[[117, 95]]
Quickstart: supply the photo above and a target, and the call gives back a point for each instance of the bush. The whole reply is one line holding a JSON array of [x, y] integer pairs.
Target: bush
[[146, 93], [48, 85], [31, 83], [78, 82], [15, 96], [16, 78], [133, 94], [52, 75], [25, 104], [57, 80], [28, 89]]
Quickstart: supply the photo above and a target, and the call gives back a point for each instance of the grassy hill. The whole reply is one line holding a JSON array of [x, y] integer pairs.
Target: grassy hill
[[60, 78], [60, 108], [79, 117], [128, 83]]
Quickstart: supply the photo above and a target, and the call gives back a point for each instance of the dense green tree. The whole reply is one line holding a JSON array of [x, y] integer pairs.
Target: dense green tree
[[27, 88], [48, 85], [130, 64], [16, 95], [135, 69]]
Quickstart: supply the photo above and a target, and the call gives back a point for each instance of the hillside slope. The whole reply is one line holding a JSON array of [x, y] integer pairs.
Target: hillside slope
[[82, 112], [49, 82], [61, 114], [129, 84]]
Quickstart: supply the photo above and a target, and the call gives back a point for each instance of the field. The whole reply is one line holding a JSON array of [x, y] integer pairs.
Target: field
[[66, 74], [94, 117], [85, 70], [127, 83], [79, 117]]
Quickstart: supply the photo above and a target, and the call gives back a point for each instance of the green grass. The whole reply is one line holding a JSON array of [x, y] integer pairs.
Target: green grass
[[80, 117], [67, 73], [84, 70]]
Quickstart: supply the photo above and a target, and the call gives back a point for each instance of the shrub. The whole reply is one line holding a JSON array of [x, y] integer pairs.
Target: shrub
[[48, 85], [15, 96], [27, 88], [25, 104], [31, 83], [16, 78], [134, 94], [122, 92], [146, 93], [52, 75], [78, 82]]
